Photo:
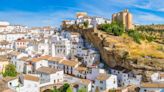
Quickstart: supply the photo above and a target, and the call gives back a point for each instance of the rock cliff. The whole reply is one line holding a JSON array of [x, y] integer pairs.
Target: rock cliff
[[123, 51]]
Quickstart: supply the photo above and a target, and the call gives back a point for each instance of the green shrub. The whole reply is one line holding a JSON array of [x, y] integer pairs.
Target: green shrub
[[150, 38], [135, 35], [114, 28], [10, 70]]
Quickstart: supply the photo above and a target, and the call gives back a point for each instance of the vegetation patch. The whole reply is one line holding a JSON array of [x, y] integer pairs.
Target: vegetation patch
[[113, 28]]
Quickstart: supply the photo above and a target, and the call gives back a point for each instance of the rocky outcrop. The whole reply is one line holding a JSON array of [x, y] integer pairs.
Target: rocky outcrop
[[119, 51], [114, 51]]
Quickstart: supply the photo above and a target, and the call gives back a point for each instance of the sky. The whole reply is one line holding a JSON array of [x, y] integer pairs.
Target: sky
[[52, 12]]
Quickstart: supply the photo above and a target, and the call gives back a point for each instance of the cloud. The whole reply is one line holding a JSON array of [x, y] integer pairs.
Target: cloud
[[36, 19], [145, 11], [148, 18], [161, 9]]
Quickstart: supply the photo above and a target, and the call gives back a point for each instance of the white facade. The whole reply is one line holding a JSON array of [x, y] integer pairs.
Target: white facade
[[75, 40], [61, 47], [43, 48], [40, 63], [11, 36], [27, 86], [158, 77], [151, 90], [152, 87], [100, 20], [50, 75], [105, 82], [90, 56], [94, 72], [126, 77]]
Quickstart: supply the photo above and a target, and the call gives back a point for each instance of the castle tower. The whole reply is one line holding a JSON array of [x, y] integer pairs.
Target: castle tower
[[124, 17]]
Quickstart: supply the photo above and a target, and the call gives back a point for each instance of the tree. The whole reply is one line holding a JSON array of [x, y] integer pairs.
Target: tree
[[10, 70], [86, 23], [64, 87], [114, 28], [69, 89], [135, 35], [82, 89]]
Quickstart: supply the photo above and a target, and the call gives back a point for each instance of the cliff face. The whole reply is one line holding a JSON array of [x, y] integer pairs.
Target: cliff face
[[124, 51]]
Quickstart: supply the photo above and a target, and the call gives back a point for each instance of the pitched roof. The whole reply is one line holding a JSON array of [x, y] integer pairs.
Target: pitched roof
[[152, 85], [8, 90], [55, 59], [161, 75], [14, 53], [31, 78], [69, 63], [35, 59], [24, 58], [47, 70], [75, 33], [46, 57], [102, 76], [4, 42], [85, 81], [81, 68], [3, 58]]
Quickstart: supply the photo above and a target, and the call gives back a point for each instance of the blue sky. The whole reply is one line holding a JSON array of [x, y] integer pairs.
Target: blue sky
[[52, 12]]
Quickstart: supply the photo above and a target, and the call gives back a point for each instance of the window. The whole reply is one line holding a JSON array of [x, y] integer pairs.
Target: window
[[50, 66], [10, 84], [114, 82], [101, 81], [101, 88], [145, 90]]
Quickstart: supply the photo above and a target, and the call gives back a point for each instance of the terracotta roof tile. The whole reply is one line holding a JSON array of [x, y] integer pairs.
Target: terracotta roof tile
[[152, 85], [31, 78], [47, 70], [69, 63], [85, 81], [102, 76], [55, 59], [81, 68]]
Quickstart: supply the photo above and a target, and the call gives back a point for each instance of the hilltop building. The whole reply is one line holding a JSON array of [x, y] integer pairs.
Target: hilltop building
[[81, 14], [124, 17]]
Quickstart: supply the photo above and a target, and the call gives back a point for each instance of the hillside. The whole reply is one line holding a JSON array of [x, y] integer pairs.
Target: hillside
[[124, 51]]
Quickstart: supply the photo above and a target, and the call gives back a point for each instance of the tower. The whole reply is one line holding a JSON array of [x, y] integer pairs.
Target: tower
[[124, 17]]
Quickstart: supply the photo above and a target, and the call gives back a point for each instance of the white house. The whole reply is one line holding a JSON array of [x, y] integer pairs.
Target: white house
[[94, 72], [15, 56], [81, 72], [60, 46], [3, 26], [105, 82], [69, 66], [43, 48], [21, 44], [54, 62], [152, 87], [50, 75], [82, 83], [6, 45], [68, 22], [76, 41], [126, 77], [5, 51], [99, 20], [81, 20], [39, 62], [22, 65], [12, 36], [78, 83], [26, 83], [157, 77], [90, 56]]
